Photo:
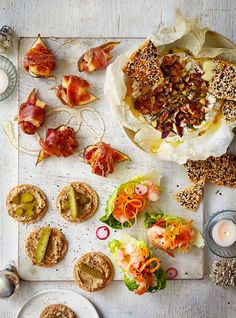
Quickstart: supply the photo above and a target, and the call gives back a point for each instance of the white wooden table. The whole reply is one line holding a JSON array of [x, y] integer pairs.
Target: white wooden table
[[109, 18]]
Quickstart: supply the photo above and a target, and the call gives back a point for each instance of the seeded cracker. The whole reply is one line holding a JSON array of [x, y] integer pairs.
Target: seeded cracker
[[229, 111], [223, 84], [217, 170], [190, 197], [144, 66]]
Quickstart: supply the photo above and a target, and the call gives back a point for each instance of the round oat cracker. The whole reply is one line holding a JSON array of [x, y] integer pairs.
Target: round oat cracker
[[38, 194], [56, 248], [86, 211], [104, 271]]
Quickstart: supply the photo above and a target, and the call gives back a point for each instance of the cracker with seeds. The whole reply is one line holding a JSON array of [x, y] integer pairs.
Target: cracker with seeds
[[190, 197], [223, 83], [229, 111], [217, 170]]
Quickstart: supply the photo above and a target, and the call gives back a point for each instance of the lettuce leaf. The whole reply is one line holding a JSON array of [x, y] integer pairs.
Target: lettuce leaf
[[131, 284], [161, 278], [160, 274], [108, 218], [152, 218]]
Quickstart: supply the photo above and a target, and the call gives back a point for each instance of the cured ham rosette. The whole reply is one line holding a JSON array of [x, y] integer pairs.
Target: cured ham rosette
[[130, 199], [74, 91], [59, 142], [142, 271], [39, 60], [31, 114], [96, 58], [102, 158], [172, 233]]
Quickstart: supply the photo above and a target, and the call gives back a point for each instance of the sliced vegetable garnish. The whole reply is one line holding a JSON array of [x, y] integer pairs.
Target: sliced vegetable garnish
[[26, 197], [91, 271], [171, 273], [142, 272], [74, 209], [102, 232], [42, 245], [171, 233], [130, 199]]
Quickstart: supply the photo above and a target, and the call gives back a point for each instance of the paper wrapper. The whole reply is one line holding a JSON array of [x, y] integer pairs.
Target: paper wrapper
[[186, 34]]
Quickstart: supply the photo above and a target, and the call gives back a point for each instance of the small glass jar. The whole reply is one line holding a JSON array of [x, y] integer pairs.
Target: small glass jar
[[5, 39]]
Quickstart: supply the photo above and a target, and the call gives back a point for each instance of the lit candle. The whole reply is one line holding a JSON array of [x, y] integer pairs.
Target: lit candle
[[4, 81], [224, 233]]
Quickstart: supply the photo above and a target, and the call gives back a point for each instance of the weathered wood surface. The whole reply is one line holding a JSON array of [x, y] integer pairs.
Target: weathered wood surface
[[199, 299]]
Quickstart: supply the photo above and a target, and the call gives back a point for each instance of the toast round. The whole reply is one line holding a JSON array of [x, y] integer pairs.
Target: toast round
[[38, 194], [86, 211], [57, 310], [56, 248], [104, 271]]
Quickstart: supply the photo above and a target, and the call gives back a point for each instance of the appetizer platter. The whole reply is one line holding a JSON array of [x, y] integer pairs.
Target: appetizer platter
[[90, 206], [54, 176]]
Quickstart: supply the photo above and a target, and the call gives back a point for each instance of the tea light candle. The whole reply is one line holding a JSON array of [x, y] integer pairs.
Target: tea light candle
[[4, 81], [224, 233]]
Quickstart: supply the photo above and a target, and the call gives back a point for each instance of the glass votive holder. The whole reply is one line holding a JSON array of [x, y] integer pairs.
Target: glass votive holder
[[221, 251]]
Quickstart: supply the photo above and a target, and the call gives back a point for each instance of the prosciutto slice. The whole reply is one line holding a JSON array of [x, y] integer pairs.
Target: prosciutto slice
[[74, 91], [59, 142], [102, 158], [31, 114], [96, 58], [39, 60]]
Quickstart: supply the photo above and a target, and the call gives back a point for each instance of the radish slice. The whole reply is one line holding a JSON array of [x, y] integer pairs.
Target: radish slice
[[140, 189], [102, 232], [171, 273]]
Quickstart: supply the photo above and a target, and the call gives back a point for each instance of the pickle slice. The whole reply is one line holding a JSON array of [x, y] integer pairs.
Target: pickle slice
[[16, 199], [28, 206], [42, 245], [29, 213], [19, 211], [73, 203], [65, 205], [26, 197], [35, 203], [83, 200], [91, 271]]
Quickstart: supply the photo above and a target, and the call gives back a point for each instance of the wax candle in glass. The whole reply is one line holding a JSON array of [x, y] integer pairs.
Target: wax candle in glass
[[224, 233]]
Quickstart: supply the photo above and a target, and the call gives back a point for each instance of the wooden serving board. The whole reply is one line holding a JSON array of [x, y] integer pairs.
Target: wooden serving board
[[55, 173]]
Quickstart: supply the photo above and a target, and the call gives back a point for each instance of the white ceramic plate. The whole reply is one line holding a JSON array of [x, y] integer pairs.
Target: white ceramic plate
[[33, 307]]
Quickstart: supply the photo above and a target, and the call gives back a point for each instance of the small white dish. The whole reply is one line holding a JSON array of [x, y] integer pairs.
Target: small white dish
[[33, 307]]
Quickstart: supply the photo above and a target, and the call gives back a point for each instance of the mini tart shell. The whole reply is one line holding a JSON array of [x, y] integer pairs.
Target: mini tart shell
[[97, 261], [56, 310], [87, 211], [56, 249], [41, 198]]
